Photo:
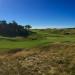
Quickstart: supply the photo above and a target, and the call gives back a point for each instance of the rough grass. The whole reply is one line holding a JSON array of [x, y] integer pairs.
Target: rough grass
[[44, 54], [50, 59]]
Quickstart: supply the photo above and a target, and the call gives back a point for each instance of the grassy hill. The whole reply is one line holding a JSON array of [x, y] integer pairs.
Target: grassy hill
[[45, 52]]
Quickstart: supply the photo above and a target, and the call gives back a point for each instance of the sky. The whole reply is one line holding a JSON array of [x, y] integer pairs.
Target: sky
[[39, 13]]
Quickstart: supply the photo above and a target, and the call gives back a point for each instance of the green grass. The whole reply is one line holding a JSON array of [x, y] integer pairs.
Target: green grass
[[42, 38], [20, 44], [17, 43]]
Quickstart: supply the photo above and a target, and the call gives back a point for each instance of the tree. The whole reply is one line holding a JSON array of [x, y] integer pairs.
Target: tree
[[14, 22], [28, 27], [3, 22], [13, 29]]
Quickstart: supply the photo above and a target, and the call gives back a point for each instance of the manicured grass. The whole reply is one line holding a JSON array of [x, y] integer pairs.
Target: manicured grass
[[26, 43], [19, 44]]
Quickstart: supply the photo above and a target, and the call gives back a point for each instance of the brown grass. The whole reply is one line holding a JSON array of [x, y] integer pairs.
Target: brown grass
[[53, 59]]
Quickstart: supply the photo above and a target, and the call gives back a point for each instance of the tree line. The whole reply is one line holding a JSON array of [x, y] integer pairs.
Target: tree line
[[13, 29]]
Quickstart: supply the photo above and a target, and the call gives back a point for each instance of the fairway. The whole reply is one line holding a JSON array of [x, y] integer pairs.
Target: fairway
[[26, 43]]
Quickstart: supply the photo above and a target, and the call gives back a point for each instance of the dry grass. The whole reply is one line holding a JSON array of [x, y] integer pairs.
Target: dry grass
[[53, 59]]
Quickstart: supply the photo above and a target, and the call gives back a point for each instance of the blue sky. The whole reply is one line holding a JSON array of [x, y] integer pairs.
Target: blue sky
[[39, 13]]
